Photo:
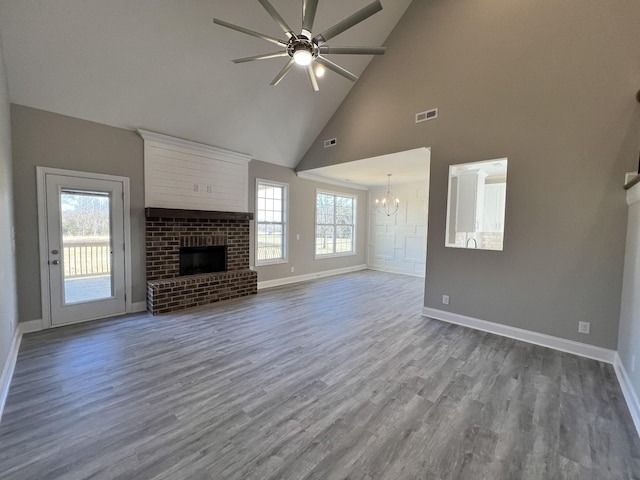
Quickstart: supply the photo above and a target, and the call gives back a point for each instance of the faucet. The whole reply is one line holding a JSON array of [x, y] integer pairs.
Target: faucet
[[474, 241]]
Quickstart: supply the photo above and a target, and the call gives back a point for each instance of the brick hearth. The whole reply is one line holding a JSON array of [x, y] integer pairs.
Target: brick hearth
[[169, 292]]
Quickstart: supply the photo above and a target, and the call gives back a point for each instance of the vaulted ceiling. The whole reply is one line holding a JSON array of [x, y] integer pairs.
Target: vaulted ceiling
[[162, 65]]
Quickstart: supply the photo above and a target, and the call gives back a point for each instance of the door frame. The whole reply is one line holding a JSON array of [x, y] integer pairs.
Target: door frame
[[43, 241]]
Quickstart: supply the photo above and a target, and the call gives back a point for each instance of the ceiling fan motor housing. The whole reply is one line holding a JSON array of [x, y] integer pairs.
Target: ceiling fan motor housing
[[302, 44]]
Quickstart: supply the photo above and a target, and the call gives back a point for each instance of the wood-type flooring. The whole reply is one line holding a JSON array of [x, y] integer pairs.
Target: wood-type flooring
[[339, 378]]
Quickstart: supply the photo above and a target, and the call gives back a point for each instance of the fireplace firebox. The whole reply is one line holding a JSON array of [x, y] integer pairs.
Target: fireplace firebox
[[196, 260]]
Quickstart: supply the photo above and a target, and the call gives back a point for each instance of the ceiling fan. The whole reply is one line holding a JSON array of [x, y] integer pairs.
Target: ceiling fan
[[304, 49]]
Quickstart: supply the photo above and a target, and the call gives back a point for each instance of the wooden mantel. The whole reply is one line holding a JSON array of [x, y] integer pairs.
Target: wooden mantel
[[196, 214]]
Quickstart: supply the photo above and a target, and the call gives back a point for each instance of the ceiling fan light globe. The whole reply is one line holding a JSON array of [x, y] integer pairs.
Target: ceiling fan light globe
[[302, 57]]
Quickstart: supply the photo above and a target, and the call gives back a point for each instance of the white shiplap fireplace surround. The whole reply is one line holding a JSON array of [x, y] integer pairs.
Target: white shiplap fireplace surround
[[195, 194]]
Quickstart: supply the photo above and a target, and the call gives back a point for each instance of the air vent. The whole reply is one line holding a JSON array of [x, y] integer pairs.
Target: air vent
[[330, 143], [428, 115]]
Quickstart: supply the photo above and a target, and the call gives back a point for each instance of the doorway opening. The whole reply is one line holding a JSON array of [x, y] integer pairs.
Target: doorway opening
[[396, 243]]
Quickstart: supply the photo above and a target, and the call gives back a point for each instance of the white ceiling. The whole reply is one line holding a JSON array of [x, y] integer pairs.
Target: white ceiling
[[411, 166], [162, 65]]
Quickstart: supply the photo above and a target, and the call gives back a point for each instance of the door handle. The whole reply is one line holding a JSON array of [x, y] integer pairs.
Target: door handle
[[54, 262]]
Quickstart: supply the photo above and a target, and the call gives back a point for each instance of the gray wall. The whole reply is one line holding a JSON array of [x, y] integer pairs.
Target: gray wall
[[551, 86], [8, 310], [301, 221], [629, 337], [47, 139]]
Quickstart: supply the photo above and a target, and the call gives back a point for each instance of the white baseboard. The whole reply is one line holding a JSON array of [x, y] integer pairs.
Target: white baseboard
[[137, 307], [7, 371], [394, 270], [30, 326], [569, 346], [629, 393], [310, 276]]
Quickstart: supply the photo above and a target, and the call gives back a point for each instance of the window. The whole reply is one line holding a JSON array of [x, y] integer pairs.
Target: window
[[335, 224], [271, 226]]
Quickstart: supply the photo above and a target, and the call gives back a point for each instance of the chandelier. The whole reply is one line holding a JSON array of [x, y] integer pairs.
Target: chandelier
[[389, 203]]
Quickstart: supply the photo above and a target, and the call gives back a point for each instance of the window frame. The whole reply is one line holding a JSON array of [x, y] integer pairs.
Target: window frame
[[284, 223], [353, 251]]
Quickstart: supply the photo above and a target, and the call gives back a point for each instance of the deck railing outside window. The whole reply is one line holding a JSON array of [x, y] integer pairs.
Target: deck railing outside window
[[86, 259]]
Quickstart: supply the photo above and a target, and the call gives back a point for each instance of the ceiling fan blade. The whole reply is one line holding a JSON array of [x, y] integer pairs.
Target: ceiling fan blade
[[313, 79], [309, 8], [348, 22], [282, 73], [266, 56], [237, 28], [336, 68], [326, 50], [278, 19]]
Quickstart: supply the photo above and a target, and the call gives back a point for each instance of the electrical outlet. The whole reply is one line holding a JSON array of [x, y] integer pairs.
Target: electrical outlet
[[633, 363], [298, 237], [293, 270], [445, 299], [584, 327]]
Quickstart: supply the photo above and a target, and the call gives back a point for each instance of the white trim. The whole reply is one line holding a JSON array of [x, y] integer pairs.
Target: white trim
[[331, 181], [45, 294], [629, 393], [128, 275], [285, 222], [9, 367], [30, 326], [41, 192], [194, 147], [354, 243], [266, 263], [564, 345], [394, 271], [334, 255], [633, 194], [137, 307], [309, 276]]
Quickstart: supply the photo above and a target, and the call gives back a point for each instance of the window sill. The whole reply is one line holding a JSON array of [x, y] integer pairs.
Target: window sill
[[266, 263], [334, 255]]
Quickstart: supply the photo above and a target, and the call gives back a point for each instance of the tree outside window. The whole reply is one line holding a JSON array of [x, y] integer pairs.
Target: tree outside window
[[335, 224], [271, 224]]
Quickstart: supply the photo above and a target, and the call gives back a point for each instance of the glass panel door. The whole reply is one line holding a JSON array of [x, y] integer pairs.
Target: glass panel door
[[86, 245], [85, 242]]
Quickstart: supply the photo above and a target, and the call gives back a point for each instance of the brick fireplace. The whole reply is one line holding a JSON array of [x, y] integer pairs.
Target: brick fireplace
[[167, 230]]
